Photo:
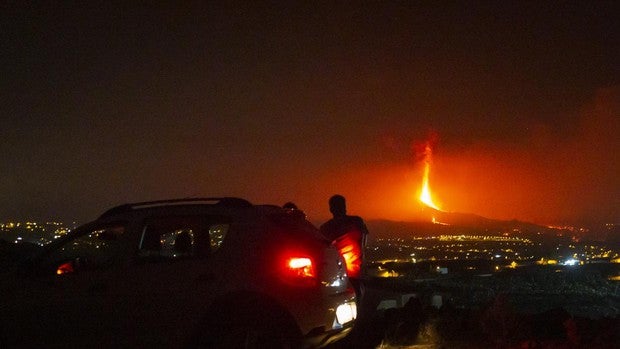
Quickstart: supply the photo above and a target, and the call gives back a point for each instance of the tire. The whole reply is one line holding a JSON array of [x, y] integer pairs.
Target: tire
[[258, 336], [247, 328]]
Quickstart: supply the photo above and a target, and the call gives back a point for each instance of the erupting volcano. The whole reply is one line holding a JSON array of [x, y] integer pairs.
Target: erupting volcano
[[425, 194], [431, 211], [426, 197]]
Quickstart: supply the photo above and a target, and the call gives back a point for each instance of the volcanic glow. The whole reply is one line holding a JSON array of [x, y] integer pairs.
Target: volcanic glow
[[425, 195]]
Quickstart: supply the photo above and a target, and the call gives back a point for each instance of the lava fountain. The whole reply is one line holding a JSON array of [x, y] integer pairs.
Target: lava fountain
[[425, 194]]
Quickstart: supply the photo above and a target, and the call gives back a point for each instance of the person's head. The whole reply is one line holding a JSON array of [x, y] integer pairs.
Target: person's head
[[337, 205], [290, 206]]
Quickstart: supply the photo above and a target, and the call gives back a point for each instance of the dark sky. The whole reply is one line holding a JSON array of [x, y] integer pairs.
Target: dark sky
[[103, 104]]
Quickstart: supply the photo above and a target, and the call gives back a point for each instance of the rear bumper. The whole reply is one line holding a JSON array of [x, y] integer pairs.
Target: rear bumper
[[342, 319], [318, 337]]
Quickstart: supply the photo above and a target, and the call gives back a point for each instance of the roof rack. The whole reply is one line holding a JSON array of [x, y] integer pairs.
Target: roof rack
[[221, 201]]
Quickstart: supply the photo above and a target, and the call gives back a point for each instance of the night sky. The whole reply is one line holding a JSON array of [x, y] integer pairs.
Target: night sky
[[103, 104]]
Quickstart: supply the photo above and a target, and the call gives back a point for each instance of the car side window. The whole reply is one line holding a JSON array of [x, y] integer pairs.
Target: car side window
[[94, 248], [217, 233], [179, 237]]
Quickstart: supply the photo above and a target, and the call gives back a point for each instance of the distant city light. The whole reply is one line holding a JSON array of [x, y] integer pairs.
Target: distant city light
[[571, 261], [33, 232]]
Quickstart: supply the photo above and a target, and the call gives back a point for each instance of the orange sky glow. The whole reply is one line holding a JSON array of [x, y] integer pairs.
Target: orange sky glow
[[544, 180], [518, 102]]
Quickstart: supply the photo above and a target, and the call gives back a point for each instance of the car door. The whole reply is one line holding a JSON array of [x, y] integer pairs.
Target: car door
[[57, 302], [172, 279], [116, 285]]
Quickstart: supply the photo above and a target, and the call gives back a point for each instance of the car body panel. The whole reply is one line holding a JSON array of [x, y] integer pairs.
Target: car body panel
[[125, 296]]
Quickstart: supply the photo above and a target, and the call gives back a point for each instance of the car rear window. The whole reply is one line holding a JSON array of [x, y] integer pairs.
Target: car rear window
[[176, 236]]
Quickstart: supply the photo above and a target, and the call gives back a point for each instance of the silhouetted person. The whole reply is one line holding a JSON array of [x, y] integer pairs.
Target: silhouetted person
[[348, 233], [183, 244], [292, 209], [290, 206]]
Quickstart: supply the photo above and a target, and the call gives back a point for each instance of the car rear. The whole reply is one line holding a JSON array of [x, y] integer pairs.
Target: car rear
[[308, 275]]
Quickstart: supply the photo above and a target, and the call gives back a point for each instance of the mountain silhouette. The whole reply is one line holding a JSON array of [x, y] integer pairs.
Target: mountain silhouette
[[434, 222]]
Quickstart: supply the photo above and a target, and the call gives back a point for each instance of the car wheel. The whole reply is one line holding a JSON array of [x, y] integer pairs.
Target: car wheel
[[257, 336], [249, 328]]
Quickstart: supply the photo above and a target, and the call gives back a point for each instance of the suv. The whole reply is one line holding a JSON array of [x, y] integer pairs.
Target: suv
[[187, 273]]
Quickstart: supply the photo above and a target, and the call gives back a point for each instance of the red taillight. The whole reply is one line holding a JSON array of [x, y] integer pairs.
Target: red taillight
[[65, 268], [300, 267], [350, 250]]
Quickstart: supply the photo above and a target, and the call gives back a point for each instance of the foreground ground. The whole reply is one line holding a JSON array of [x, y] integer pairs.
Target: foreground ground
[[540, 308], [528, 308]]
